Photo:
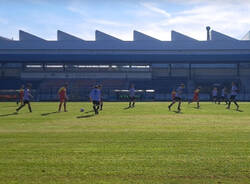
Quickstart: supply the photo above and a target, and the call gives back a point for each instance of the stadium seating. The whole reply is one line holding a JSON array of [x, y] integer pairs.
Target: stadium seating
[[78, 89]]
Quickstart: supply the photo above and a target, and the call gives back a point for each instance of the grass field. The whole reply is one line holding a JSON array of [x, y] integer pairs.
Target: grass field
[[147, 144]]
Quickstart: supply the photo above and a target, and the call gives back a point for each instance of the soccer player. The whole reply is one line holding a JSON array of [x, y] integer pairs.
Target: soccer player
[[173, 94], [196, 97], [132, 96], [26, 98], [234, 93], [95, 98], [101, 101], [62, 93], [20, 95], [215, 95], [178, 98], [223, 97]]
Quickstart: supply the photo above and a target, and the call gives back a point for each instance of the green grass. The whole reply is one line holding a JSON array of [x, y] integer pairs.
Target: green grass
[[147, 144]]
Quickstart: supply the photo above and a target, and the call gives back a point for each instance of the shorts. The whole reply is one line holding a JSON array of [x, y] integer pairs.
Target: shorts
[[132, 98], [63, 99], [196, 98], [96, 103], [232, 97], [26, 102], [215, 97], [223, 98], [177, 98]]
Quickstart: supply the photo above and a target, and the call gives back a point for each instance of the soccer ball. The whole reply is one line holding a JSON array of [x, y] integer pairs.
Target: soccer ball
[[82, 110]]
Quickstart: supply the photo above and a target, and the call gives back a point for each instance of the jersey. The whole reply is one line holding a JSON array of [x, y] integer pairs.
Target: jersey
[[196, 92], [132, 92], [215, 92], [26, 95], [173, 94], [21, 93], [196, 95], [234, 91], [62, 92], [223, 93], [95, 95], [179, 91]]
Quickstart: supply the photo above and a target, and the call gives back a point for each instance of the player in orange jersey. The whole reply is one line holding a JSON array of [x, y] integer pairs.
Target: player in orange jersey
[[196, 97], [173, 94], [20, 94], [62, 93]]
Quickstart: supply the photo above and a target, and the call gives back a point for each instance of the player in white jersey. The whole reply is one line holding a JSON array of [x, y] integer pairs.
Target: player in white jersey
[[215, 94], [178, 97], [95, 98], [234, 93], [26, 98], [223, 96], [132, 96]]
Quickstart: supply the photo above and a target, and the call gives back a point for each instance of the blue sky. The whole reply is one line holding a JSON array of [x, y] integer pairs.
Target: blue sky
[[120, 17]]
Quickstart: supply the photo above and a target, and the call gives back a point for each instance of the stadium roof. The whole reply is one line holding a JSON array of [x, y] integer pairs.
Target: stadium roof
[[221, 48]]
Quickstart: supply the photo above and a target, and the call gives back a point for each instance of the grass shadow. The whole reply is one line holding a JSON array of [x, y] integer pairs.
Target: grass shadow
[[49, 113], [86, 116], [10, 114]]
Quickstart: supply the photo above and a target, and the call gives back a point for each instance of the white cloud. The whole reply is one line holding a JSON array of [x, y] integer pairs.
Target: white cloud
[[107, 22], [152, 7], [229, 18]]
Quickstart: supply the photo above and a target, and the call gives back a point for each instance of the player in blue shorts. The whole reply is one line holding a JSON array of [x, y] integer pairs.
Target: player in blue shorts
[[26, 98], [234, 93]]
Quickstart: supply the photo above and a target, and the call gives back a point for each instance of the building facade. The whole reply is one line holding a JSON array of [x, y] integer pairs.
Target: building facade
[[149, 63]]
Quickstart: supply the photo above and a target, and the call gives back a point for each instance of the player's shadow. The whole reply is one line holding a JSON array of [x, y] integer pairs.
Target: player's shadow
[[126, 108], [89, 111], [49, 113], [178, 112], [10, 114], [239, 110], [85, 116]]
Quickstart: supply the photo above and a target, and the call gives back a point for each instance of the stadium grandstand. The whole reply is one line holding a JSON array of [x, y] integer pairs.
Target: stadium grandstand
[[154, 66]]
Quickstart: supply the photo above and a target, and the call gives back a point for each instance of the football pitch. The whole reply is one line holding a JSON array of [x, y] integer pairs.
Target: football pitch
[[144, 145]]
